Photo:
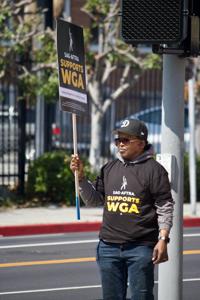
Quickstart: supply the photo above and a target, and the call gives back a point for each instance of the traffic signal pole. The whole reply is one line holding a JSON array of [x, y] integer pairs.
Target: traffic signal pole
[[192, 152], [170, 273]]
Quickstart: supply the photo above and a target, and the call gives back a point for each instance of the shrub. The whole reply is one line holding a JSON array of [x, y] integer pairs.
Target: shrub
[[50, 179], [7, 198]]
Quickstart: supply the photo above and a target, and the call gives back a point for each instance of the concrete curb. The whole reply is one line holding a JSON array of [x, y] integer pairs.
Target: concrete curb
[[191, 222], [68, 227], [49, 228]]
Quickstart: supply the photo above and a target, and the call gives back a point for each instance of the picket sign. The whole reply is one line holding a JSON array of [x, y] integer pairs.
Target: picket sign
[[72, 80]]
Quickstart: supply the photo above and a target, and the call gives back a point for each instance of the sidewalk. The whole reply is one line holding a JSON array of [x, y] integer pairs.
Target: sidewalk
[[61, 220]]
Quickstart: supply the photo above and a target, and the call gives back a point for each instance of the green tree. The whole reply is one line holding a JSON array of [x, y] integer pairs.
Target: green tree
[[27, 48], [112, 53]]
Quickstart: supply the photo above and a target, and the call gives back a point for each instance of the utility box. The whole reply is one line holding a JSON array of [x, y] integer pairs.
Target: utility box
[[167, 160]]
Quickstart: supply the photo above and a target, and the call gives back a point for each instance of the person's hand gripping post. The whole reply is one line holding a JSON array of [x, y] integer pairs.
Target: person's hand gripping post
[[77, 165]]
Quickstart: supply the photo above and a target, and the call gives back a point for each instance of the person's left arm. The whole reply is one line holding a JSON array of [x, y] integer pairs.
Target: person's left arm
[[160, 253], [164, 208]]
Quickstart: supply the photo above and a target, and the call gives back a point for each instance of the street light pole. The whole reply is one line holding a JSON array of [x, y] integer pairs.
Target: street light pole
[[192, 153], [170, 273]]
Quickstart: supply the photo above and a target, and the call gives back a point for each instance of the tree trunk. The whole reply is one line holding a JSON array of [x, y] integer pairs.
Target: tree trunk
[[96, 136]]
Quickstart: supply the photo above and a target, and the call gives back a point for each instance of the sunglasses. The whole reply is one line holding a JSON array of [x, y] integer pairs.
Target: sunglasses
[[124, 141]]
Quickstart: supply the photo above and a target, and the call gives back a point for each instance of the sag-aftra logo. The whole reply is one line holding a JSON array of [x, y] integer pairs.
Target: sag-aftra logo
[[123, 201]]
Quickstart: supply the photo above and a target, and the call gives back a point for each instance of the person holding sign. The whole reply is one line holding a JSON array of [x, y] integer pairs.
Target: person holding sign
[[135, 192]]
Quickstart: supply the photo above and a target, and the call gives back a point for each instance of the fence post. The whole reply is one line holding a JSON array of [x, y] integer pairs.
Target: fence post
[[48, 120], [21, 144]]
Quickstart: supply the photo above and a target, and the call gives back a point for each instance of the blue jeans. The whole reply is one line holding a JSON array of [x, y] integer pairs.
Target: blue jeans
[[120, 264]]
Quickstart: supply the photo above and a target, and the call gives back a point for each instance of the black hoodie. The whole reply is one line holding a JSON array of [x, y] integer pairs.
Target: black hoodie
[[136, 197]]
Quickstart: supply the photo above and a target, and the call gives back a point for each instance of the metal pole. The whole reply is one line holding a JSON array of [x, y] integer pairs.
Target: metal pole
[[21, 143], [76, 173], [39, 132], [170, 273], [192, 156], [67, 10], [40, 104]]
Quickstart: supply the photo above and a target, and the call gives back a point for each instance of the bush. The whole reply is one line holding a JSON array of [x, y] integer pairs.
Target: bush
[[50, 179], [7, 198]]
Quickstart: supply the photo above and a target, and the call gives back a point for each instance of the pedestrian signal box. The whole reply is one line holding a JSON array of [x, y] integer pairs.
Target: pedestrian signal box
[[170, 26], [153, 21]]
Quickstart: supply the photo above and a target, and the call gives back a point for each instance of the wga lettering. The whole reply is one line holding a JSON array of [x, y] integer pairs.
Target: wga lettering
[[122, 207]]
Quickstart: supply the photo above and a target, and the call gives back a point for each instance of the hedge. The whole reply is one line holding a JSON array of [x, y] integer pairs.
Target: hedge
[[50, 179]]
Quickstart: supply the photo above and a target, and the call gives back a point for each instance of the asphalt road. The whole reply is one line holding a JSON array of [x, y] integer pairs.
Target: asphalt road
[[63, 266]]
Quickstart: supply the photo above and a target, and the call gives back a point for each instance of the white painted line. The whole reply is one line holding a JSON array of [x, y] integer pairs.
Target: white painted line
[[191, 235], [73, 288], [70, 242], [187, 280], [52, 290], [48, 244], [191, 279]]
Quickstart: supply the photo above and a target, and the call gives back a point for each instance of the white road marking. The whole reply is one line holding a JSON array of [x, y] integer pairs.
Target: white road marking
[[48, 244], [70, 242], [73, 288], [186, 280], [191, 235], [52, 290]]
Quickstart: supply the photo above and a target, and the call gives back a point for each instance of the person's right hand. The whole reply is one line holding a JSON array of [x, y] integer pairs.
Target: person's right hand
[[77, 165]]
